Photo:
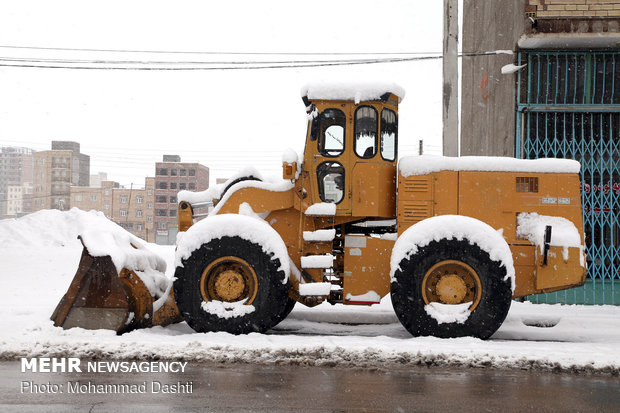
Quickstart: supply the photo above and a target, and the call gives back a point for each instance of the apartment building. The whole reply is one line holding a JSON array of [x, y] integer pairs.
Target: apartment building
[[55, 171], [15, 171], [172, 176], [131, 208]]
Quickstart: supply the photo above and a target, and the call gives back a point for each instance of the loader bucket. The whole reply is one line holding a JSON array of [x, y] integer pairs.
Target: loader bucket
[[101, 298]]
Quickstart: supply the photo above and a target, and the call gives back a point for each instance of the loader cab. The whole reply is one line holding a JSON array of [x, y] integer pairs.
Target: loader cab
[[351, 151]]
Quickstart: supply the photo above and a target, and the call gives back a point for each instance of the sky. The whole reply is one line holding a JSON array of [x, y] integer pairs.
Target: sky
[[225, 119]]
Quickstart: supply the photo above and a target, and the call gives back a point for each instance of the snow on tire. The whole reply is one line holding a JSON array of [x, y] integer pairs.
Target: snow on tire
[[451, 288]]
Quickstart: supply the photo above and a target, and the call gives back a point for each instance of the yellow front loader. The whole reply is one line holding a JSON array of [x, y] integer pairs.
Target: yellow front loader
[[452, 240]]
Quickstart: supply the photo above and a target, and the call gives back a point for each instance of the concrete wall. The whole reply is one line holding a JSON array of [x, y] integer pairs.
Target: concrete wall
[[488, 97]]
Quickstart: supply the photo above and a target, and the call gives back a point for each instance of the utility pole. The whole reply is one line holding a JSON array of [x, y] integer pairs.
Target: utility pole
[[450, 78]]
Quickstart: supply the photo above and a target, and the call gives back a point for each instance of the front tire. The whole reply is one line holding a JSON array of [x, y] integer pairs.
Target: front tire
[[451, 272], [230, 284]]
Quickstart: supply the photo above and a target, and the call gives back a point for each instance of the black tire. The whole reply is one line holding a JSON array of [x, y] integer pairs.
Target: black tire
[[290, 304], [236, 181], [494, 293], [267, 292]]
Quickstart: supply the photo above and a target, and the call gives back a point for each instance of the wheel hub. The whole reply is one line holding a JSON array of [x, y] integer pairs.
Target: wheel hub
[[452, 282], [229, 285], [229, 279], [451, 289]]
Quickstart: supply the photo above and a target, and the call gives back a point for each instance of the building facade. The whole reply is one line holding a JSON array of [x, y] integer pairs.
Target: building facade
[[15, 172], [172, 176], [131, 208], [559, 98], [55, 171]]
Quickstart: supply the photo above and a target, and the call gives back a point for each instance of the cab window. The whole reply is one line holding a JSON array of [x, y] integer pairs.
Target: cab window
[[389, 134], [330, 177], [331, 135], [366, 125]]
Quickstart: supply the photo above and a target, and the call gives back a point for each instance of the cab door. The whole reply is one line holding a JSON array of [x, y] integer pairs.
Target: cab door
[[329, 144]]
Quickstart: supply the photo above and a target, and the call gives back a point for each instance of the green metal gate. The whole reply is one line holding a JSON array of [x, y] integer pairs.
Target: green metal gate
[[569, 107]]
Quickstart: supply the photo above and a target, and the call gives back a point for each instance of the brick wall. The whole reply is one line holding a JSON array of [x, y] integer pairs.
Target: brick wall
[[573, 8]]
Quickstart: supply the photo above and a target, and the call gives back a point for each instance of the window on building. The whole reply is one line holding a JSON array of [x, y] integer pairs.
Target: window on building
[[149, 192], [106, 191], [192, 172], [139, 227], [182, 186], [149, 219], [161, 225], [173, 172], [93, 198], [173, 212], [330, 130], [162, 172], [149, 205], [183, 172], [191, 186], [106, 205], [161, 212], [123, 212], [173, 199], [173, 185], [139, 213], [139, 199], [160, 199], [123, 199], [78, 197], [162, 185]]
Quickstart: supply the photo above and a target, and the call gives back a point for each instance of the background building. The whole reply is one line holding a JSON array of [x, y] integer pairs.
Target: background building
[[561, 99], [172, 176], [131, 208], [55, 171], [15, 172]]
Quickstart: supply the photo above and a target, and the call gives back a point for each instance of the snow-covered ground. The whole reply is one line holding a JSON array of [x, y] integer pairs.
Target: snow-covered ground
[[39, 256]]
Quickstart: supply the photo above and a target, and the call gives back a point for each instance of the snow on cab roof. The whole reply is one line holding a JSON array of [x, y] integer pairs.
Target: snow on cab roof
[[424, 164], [358, 91]]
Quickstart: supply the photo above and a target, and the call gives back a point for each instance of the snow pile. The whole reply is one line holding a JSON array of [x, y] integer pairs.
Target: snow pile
[[357, 92], [453, 227], [227, 310], [100, 236], [321, 209], [448, 313], [425, 164], [48, 228], [246, 227], [563, 232]]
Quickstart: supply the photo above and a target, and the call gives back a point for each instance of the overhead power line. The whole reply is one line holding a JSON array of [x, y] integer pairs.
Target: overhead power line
[[205, 52], [150, 65]]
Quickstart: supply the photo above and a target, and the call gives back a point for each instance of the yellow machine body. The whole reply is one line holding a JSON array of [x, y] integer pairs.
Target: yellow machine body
[[361, 269]]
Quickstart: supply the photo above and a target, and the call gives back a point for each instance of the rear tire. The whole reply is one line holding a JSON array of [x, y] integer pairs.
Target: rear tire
[[231, 270], [467, 273]]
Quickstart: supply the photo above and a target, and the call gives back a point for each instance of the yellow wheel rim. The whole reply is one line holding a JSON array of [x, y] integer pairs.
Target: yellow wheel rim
[[452, 282], [229, 279]]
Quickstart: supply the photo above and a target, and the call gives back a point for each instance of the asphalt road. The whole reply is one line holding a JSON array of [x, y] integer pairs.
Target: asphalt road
[[257, 388]]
